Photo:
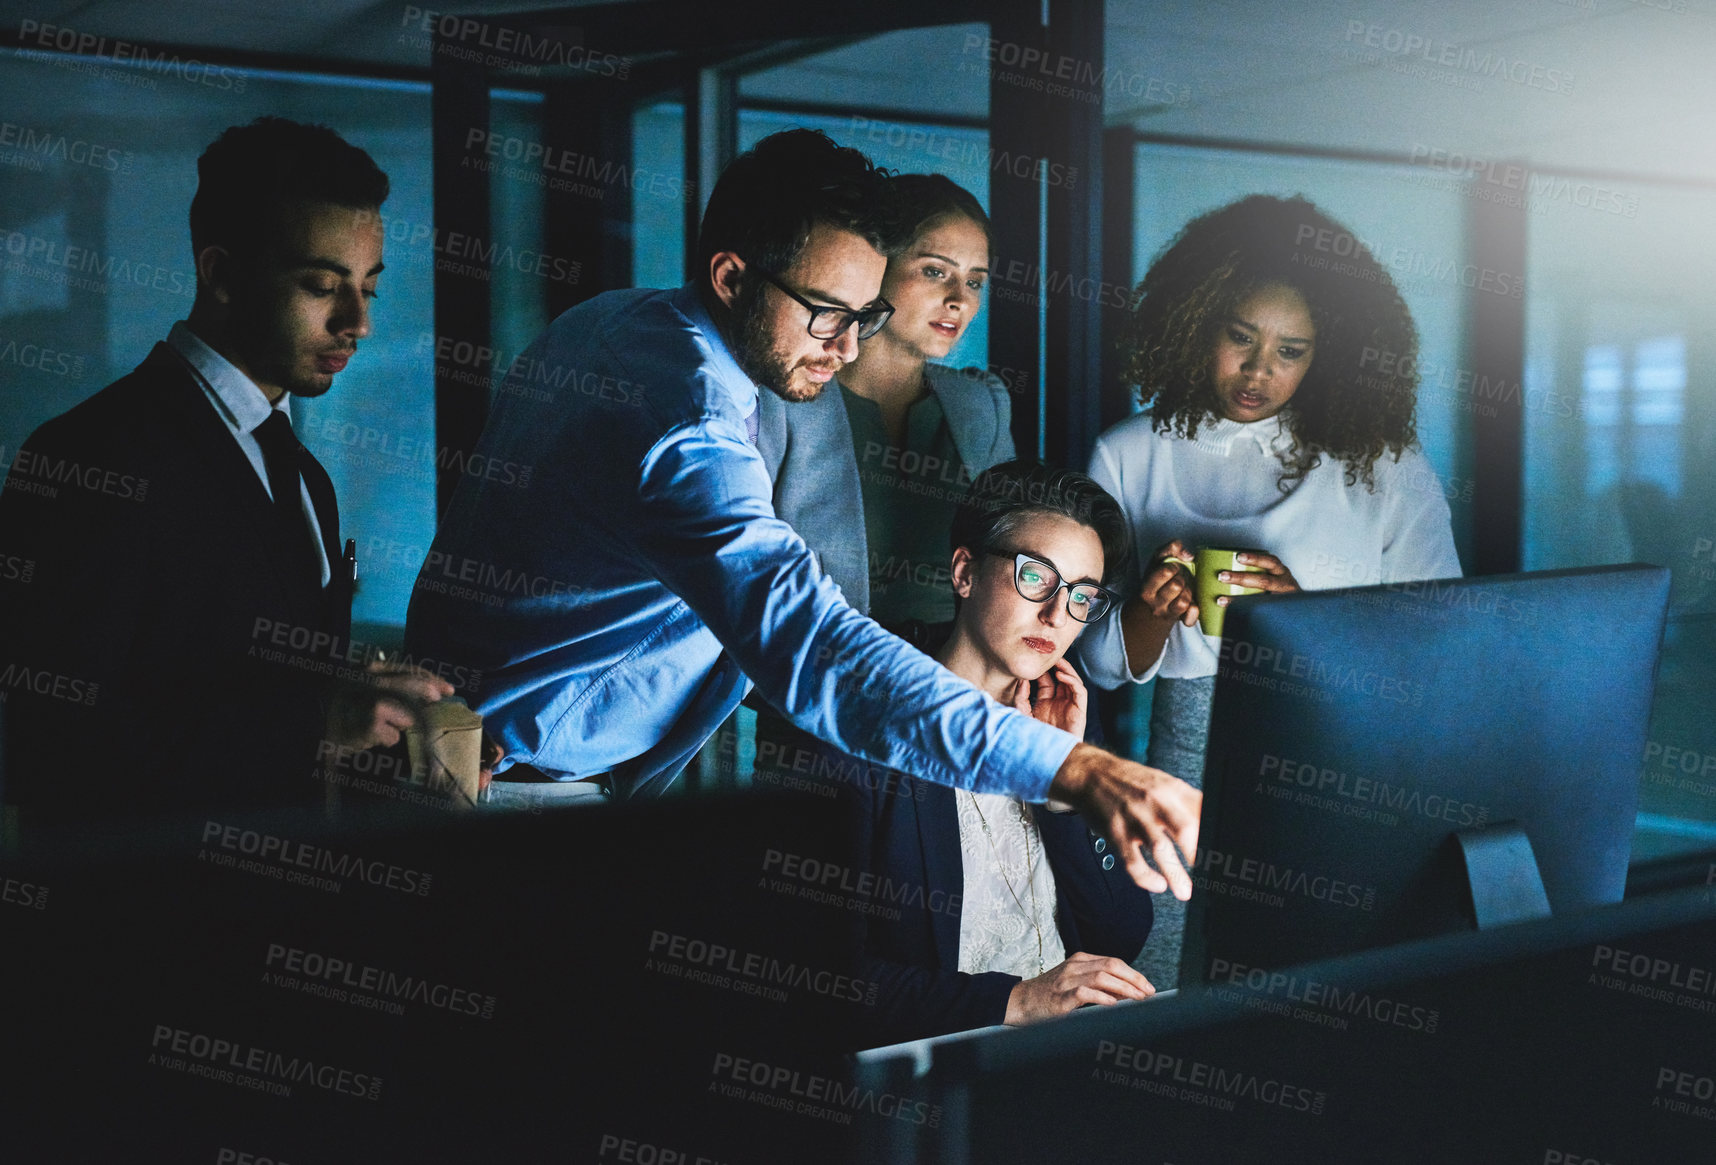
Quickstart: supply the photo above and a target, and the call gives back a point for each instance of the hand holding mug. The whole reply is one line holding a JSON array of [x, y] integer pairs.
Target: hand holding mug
[[1269, 574], [1170, 589], [1219, 581]]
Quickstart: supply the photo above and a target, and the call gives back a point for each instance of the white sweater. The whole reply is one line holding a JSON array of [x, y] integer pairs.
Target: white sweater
[[1220, 490]]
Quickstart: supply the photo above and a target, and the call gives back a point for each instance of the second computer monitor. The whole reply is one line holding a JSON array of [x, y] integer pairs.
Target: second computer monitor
[[1381, 758]]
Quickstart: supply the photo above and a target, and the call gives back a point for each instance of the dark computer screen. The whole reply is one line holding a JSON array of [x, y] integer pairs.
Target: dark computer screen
[[1356, 732]]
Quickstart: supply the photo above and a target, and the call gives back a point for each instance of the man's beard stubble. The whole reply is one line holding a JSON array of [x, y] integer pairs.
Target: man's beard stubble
[[270, 353], [755, 351]]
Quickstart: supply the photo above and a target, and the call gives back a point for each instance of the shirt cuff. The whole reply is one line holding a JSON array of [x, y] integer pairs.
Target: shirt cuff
[[1102, 651], [1024, 759]]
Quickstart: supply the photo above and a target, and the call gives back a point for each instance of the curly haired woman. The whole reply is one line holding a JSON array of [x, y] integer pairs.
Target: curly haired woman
[[1276, 363]]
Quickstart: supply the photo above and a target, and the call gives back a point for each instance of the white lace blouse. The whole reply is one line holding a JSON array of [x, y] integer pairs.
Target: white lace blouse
[[1007, 915]]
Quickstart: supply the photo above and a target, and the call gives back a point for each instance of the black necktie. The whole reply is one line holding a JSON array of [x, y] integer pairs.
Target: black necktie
[[281, 454]]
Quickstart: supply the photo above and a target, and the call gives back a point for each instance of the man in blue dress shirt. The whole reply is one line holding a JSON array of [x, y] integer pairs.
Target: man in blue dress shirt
[[616, 606]]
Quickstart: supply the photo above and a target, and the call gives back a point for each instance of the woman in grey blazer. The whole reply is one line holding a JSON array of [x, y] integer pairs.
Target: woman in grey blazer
[[870, 472]]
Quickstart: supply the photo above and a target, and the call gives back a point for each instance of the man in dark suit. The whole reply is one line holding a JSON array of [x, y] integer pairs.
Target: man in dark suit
[[181, 640]]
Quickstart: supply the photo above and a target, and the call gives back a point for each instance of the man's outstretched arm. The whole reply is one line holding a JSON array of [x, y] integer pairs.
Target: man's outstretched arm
[[708, 529]]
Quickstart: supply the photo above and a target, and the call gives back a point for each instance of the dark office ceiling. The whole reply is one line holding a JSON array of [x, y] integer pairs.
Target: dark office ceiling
[[376, 32], [1618, 85]]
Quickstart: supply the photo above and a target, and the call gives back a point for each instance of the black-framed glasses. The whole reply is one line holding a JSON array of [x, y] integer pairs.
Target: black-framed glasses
[[1038, 581], [828, 322]]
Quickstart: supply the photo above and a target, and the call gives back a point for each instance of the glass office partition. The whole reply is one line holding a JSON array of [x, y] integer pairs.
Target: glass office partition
[[658, 224], [1620, 438]]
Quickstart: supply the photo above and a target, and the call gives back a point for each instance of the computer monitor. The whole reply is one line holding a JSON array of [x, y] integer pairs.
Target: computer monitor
[[1394, 762]]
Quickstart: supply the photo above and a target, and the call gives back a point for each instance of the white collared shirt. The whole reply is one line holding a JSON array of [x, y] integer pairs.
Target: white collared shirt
[[242, 407], [1220, 490]]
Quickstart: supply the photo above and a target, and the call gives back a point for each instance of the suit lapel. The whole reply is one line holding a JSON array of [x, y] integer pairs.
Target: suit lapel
[[772, 431], [944, 867], [321, 488], [338, 594], [970, 415], [226, 481], [810, 445], [182, 398]]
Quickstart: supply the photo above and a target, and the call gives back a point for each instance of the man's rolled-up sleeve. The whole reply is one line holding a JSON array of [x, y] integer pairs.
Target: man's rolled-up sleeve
[[707, 529]]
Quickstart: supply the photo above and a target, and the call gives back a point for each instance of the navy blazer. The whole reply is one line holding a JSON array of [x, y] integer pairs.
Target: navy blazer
[[157, 583], [907, 830]]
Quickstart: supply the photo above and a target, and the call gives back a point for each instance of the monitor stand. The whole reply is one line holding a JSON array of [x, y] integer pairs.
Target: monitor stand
[[1501, 870]]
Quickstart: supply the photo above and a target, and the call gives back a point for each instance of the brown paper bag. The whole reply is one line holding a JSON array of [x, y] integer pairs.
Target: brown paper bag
[[446, 750]]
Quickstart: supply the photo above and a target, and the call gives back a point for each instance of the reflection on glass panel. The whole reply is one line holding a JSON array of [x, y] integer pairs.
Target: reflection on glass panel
[[1632, 427], [518, 299], [1659, 381], [1629, 475], [1603, 433], [658, 224], [1602, 386], [1659, 389], [21, 289]]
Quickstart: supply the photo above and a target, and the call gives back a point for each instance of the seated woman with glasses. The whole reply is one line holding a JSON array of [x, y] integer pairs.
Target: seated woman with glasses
[[1008, 913]]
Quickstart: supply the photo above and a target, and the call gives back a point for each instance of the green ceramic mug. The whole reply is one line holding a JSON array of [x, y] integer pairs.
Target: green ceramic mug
[[1208, 564]]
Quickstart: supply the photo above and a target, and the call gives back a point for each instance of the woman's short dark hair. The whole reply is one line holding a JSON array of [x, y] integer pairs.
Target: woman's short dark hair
[[1358, 399], [926, 200], [767, 200], [251, 174], [1004, 495]]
